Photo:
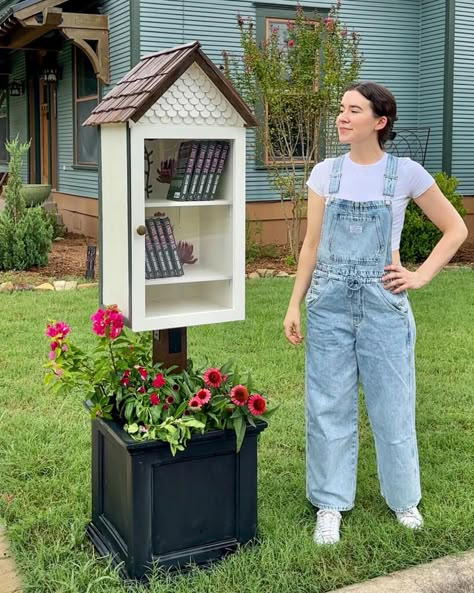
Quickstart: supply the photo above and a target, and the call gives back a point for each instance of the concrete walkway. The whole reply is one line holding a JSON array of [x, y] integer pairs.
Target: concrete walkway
[[451, 574], [9, 582]]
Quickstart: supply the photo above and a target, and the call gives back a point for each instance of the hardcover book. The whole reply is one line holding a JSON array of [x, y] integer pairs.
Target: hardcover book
[[212, 171], [185, 152], [156, 248], [205, 169], [152, 267], [220, 168], [201, 154], [165, 248], [168, 230]]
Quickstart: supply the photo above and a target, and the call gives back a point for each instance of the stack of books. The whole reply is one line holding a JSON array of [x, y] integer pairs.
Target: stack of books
[[198, 170], [161, 254]]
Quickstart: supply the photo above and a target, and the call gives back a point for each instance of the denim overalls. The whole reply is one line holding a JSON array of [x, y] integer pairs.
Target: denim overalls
[[357, 330]]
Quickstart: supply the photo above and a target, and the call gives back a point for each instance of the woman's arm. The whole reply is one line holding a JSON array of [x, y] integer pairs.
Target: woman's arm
[[306, 265], [442, 214]]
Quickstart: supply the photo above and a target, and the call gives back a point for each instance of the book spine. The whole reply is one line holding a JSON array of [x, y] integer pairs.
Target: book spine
[[166, 224], [174, 191], [151, 258], [148, 265], [205, 170], [220, 168], [212, 171], [197, 171], [156, 248], [189, 170], [164, 247]]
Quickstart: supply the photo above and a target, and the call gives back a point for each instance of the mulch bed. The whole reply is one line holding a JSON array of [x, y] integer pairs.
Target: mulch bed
[[68, 259]]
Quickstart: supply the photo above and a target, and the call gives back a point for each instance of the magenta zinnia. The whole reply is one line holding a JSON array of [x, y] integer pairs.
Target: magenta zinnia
[[212, 377], [154, 399], [158, 381], [204, 395], [256, 404], [239, 395]]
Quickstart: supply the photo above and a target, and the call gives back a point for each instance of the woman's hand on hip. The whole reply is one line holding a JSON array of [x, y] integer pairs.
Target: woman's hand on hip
[[397, 278], [292, 326]]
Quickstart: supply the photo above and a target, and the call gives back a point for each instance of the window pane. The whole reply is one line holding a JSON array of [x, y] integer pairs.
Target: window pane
[[86, 78], [87, 139]]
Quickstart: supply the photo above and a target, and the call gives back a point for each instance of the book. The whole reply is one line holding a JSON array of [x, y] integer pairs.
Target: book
[[156, 248], [168, 229], [188, 174], [192, 193], [220, 168], [205, 170], [185, 152], [165, 248], [152, 267], [212, 171]]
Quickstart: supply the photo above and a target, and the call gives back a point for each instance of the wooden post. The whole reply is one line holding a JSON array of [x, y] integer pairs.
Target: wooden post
[[170, 347]]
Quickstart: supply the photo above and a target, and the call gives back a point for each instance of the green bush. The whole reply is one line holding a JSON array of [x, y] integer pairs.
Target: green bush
[[419, 234], [25, 235]]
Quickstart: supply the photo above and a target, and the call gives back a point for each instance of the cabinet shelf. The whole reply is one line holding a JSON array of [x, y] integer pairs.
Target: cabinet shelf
[[176, 307], [184, 204], [194, 273]]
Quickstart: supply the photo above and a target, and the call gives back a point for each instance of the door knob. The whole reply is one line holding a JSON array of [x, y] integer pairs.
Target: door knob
[[141, 230]]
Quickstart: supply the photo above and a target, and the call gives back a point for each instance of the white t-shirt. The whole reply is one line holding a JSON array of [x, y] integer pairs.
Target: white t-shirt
[[363, 183]]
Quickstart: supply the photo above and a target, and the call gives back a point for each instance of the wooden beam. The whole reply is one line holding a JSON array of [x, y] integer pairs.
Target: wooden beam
[[100, 60], [77, 20], [36, 8]]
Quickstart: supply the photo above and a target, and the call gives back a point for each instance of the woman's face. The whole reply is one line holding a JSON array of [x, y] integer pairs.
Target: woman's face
[[356, 122]]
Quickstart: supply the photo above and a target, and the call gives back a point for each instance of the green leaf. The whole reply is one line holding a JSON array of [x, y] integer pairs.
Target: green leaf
[[227, 367], [132, 428], [249, 383], [236, 377], [240, 428]]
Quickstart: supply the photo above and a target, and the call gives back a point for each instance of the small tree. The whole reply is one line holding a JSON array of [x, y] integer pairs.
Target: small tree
[[295, 83], [25, 235]]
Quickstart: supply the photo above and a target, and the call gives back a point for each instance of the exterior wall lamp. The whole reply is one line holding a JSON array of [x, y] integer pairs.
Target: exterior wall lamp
[[16, 88]]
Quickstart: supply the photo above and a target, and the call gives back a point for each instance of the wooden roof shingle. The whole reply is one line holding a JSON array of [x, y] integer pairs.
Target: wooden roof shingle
[[152, 77]]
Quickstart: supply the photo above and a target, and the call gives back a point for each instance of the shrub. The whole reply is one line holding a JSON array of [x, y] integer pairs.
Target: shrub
[[419, 234], [25, 235]]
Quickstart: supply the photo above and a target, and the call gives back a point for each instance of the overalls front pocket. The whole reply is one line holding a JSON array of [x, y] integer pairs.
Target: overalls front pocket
[[318, 285], [396, 302]]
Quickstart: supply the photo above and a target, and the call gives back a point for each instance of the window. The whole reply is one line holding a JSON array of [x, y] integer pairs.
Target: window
[[3, 124], [86, 98], [278, 19]]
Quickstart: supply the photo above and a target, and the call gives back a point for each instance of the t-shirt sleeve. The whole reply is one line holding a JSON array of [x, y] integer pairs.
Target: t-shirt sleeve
[[419, 180], [318, 178]]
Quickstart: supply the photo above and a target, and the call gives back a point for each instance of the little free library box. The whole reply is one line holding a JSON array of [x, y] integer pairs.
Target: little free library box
[[172, 219]]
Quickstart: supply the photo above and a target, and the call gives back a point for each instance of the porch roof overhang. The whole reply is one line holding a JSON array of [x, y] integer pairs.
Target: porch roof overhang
[[29, 20]]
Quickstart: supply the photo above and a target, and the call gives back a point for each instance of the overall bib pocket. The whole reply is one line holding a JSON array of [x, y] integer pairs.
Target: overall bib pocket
[[353, 234]]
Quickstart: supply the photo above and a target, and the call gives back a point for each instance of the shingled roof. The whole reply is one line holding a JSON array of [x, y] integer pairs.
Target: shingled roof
[[152, 77]]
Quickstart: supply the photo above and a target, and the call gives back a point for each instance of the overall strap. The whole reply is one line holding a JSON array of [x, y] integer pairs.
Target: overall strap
[[335, 177], [390, 176]]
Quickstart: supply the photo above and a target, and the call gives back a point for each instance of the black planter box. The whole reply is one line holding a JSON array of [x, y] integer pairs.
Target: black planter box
[[148, 506]]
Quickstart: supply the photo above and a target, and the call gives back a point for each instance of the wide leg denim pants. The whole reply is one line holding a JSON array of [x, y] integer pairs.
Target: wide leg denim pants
[[357, 331]]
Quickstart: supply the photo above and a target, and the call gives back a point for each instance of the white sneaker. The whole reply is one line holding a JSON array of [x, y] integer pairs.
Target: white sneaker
[[327, 527], [410, 518]]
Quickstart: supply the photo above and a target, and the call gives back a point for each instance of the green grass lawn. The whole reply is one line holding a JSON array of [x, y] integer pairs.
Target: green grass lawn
[[45, 452]]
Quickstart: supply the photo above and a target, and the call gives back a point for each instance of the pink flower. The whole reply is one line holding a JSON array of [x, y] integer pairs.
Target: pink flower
[[64, 347], [165, 407], [107, 322], [170, 399], [124, 381], [142, 372], [344, 32], [291, 43], [158, 381], [239, 395], [52, 355], [57, 371], [54, 345], [256, 404], [58, 330], [194, 404], [204, 395], [212, 377], [143, 429], [141, 389], [154, 399]]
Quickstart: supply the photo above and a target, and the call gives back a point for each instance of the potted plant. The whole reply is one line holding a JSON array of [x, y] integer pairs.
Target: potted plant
[[157, 436]]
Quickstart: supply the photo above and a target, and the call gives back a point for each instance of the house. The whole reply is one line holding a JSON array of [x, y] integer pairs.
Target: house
[[58, 58]]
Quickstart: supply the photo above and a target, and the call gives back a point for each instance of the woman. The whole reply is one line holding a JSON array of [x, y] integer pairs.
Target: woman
[[359, 323]]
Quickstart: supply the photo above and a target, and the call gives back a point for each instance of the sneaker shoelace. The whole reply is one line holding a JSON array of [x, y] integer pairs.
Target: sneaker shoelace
[[328, 524], [410, 518]]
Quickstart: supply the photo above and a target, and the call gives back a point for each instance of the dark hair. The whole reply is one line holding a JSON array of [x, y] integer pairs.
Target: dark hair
[[383, 104]]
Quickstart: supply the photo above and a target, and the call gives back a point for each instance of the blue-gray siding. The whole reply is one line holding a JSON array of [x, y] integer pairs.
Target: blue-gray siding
[[390, 43], [431, 95], [463, 113], [18, 109], [118, 12]]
